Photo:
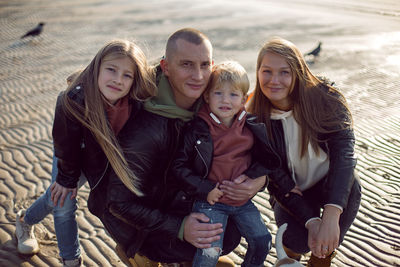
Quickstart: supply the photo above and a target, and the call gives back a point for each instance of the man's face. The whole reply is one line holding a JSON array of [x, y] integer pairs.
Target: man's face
[[188, 70]]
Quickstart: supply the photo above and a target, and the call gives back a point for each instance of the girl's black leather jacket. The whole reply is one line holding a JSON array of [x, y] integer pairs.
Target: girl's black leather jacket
[[75, 147]]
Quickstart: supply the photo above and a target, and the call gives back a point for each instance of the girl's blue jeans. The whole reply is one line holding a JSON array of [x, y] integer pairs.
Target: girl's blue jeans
[[64, 218], [250, 224]]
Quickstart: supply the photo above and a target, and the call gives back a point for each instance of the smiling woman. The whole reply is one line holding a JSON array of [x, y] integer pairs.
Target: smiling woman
[[310, 128]]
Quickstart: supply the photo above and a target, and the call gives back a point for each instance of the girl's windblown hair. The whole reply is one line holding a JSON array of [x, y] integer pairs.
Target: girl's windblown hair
[[92, 114]]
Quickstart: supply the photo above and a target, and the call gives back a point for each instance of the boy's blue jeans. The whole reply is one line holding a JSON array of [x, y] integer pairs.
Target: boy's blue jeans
[[64, 218], [250, 224]]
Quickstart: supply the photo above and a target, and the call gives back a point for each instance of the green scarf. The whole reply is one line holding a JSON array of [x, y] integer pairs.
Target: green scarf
[[164, 103]]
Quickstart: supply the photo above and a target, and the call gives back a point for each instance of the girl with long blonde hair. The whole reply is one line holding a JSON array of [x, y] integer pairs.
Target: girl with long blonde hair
[[88, 118]]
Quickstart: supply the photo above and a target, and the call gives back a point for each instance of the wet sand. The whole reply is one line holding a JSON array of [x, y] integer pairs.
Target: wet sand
[[360, 52]]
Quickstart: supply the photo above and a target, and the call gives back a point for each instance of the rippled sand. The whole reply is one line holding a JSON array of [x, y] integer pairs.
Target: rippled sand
[[360, 51]]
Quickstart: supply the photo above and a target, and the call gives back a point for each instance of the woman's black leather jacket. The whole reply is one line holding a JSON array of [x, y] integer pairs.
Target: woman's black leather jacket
[[338, 182]]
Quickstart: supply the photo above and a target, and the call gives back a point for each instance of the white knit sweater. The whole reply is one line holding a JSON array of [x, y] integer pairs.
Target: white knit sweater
[[312, 167]]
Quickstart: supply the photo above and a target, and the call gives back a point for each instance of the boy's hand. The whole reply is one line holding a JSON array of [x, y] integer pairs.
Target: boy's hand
[[214, 195]]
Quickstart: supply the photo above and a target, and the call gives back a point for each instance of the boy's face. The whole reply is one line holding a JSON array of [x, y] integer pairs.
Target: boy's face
[[225, 102]]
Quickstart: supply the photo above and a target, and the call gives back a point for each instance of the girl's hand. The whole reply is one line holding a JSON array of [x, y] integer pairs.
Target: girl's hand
[[59, 193], [214, 195], [242, 188]]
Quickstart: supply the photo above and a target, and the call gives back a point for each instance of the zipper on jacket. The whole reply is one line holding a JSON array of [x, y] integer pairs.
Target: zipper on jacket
[[101, 177], [177, 124], [202, 159]]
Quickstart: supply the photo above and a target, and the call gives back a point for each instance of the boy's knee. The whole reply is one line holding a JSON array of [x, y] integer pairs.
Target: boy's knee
[[213, 252]]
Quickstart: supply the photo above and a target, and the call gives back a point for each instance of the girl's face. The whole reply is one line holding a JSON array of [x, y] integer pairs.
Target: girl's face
[[225, 102], [116, 78], [275, 77]]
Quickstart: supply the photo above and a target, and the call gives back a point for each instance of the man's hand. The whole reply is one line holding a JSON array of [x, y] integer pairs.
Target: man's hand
[[199, 233], [214, 195], [59, 193], [242, 188]]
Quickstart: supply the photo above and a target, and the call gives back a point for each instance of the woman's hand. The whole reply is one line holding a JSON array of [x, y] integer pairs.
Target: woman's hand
[[199, 233], [242, 188], [327, 239], [297, 190], [313, 229], [59, 193]]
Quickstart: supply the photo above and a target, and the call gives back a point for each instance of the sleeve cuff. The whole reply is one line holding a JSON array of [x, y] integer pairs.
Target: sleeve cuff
[[181, 229], [336, 206], [312, 219]]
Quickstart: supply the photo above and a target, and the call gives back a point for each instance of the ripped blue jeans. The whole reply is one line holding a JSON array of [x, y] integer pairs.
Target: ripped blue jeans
[[250, 224]]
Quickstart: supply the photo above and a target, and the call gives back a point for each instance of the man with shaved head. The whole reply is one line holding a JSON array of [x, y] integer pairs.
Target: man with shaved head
[[160, 225]]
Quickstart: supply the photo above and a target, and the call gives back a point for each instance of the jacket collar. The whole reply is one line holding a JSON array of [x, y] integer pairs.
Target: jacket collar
[[164, 103]]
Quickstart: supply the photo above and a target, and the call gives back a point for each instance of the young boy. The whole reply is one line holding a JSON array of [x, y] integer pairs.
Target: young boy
[[222, 143]]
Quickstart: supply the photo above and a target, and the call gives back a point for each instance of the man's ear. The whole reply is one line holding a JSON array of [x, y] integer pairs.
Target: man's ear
[[206, 97], [164, 66]]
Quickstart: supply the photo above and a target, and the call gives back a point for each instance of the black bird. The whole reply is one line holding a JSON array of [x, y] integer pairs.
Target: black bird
[[35, 31], [316, 50]]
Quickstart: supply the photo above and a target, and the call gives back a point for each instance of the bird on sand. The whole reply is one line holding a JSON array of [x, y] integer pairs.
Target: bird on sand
[[315, 51], [35, 31]]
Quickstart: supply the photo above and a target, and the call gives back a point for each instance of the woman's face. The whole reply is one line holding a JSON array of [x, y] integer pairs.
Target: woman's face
[[275, 77]]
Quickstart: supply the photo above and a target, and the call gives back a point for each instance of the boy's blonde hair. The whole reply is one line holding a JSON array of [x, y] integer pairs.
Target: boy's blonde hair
[[231, 72]]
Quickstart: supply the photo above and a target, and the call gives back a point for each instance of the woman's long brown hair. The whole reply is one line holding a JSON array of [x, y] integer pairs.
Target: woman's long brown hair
[[317, 106]]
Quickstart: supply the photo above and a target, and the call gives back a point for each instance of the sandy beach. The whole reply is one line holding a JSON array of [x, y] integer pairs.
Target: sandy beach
[[360, 52]]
